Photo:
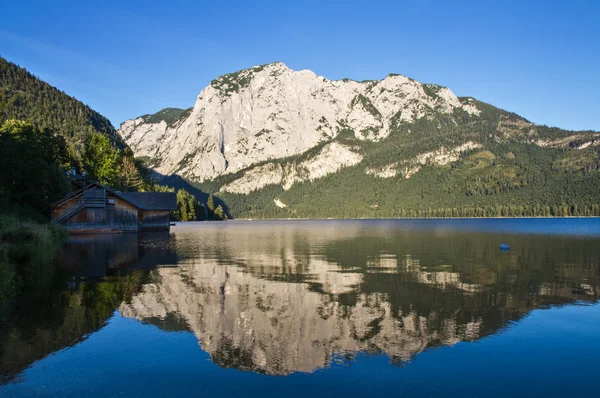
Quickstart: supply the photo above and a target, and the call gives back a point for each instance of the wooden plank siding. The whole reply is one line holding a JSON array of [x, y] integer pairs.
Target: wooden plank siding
[[95, 208], [63, 207], [121, 216], [155, 219]]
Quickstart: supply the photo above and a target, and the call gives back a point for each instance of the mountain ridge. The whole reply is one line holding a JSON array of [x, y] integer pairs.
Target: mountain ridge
[[356, 110], [272, 142]]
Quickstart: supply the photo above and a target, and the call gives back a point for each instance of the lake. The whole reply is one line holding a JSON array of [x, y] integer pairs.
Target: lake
[[316, 308]]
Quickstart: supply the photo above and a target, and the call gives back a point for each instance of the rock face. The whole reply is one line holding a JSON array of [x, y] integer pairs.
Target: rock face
[[330, 159], [270, 112]]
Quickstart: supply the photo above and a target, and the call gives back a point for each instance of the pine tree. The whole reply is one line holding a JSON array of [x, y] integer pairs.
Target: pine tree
[[211, 206], [219, 214]]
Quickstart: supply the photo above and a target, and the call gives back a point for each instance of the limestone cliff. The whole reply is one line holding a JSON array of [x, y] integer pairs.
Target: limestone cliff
[[270, 112]]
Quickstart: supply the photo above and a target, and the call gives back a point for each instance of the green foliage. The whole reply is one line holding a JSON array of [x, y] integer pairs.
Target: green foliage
[[31, 166], [431, 89], [219, 215], [25, 97], [491, 114], [134, 174], [31, 178], [210, 205], [101, 160], [113, 167], [188, 208]]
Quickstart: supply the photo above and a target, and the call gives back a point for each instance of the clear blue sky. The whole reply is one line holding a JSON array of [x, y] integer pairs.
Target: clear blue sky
[[540, 59]]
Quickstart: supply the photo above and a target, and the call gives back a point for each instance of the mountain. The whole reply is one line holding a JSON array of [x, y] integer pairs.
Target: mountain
[[273, 142], [271, 112], [23, 96]]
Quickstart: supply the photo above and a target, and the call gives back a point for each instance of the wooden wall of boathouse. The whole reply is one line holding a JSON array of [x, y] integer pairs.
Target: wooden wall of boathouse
[[65, 206], [96, 208], [117, 214], [154, 219]]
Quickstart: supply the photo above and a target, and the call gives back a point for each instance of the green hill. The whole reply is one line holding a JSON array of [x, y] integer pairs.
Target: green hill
[[25, 97]]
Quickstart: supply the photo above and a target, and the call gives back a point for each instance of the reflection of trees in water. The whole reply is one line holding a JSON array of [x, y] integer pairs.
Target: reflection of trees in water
[[277, 300], [74, 307], [278, 303], [71, 312]]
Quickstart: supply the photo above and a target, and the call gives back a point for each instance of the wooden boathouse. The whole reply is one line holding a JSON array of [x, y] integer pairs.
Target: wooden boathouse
[[95, 208]]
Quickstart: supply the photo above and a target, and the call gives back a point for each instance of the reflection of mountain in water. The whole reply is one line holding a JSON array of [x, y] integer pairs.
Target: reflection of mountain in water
[[74, 306], [289, 298]]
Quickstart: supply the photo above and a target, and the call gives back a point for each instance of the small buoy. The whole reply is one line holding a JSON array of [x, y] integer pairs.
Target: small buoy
[[504, 246]]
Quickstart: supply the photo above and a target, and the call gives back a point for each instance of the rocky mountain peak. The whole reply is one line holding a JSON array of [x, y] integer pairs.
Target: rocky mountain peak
[[271, 111]]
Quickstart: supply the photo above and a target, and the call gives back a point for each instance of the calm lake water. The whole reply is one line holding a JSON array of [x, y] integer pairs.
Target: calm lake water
[[316, 308]]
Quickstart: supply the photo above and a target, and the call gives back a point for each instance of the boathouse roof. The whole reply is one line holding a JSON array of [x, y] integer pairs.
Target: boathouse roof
[[151, 200], [157, 201]]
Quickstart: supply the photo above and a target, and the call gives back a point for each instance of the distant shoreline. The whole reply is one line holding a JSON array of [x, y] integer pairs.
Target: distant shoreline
[[412, 218]]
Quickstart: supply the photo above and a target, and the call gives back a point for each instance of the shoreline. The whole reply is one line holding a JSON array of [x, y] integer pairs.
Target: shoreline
[[391, 219], [414, 218]]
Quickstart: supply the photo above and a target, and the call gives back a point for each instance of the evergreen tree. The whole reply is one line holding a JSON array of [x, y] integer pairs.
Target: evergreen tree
[[132, 179], [186, 206], [25, 97], [219, 214], [211, 206]]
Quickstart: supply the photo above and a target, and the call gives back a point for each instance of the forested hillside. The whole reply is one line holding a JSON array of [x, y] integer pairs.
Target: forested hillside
[[25, 97], [492, 164]]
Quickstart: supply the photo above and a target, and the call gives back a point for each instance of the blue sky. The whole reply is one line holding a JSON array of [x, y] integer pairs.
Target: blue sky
[[540, 59]]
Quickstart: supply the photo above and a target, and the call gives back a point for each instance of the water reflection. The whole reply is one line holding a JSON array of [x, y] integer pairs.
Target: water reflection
[[279, 298], [284, 297], [95, 275], [114, 254]]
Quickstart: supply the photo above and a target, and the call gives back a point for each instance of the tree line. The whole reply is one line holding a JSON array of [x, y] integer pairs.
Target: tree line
[[25, 97], [35, 165], [442, 212], [190, 209]]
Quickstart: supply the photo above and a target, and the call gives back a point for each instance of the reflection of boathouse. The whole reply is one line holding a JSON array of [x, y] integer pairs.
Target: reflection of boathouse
[[96, 208], [100, 255]]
